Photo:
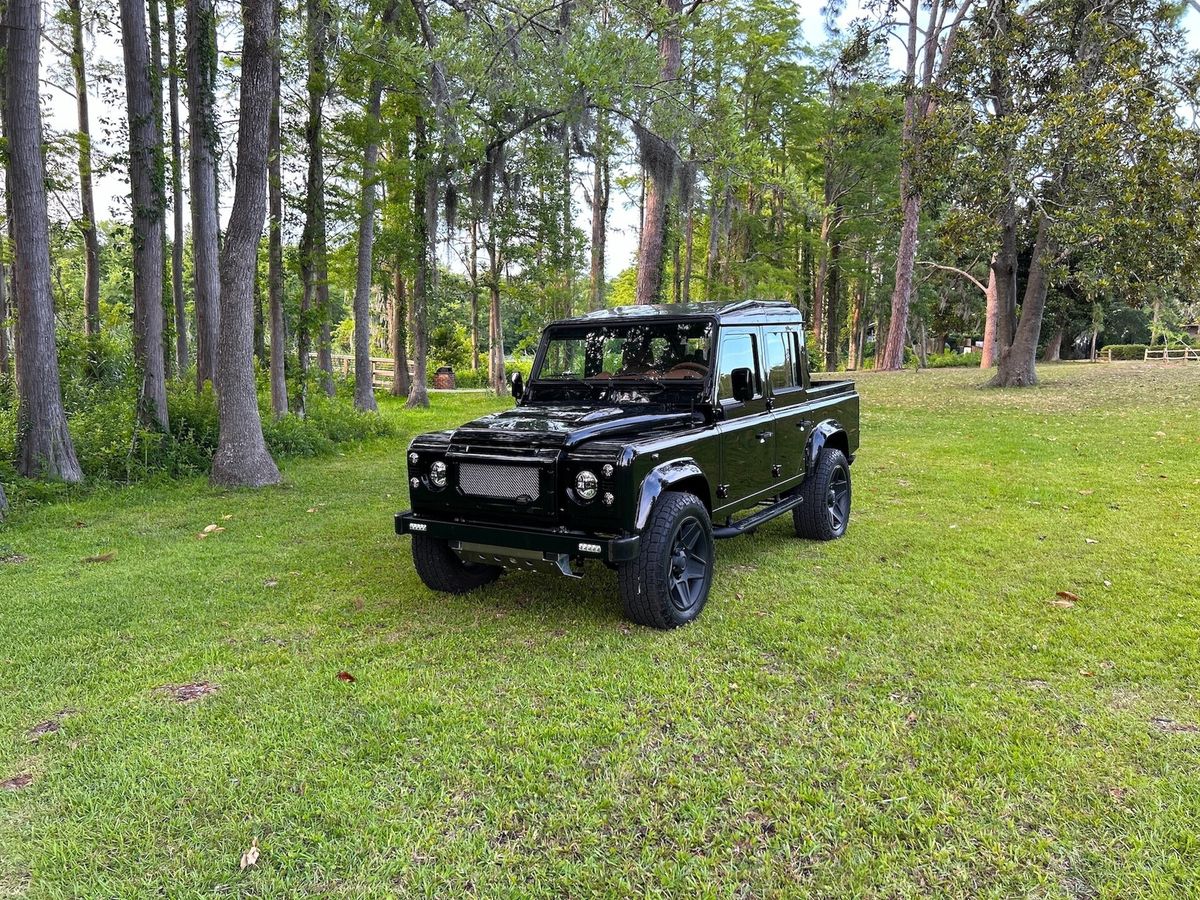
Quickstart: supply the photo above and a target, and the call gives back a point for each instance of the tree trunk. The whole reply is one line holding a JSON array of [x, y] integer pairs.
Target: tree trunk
[[714, 233], [5, 352], [1018, 364], [1053, 351], [242, 458], [600, 194], [854, 358], [202, 180], [892, 356], [43, 443], [689, 240], [87, 201], [833, 311], [315, 242], [181, 330], [425, 222], [473, 273], [160, 181], [279, 397], [364, 378], [658, 158], [145, 163], [991, 320], [399, 337]]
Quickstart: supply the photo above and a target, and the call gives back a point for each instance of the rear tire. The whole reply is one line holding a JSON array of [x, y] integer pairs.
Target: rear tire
[[668, 584], [442, 570], [825, 513]]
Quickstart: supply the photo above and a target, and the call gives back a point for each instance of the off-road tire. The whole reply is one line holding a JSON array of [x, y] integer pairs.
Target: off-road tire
[[816, 518], [650, 585], [442, 570]]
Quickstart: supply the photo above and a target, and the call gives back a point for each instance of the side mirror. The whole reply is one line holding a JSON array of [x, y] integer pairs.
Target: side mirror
[[743, 384], [518, 385]]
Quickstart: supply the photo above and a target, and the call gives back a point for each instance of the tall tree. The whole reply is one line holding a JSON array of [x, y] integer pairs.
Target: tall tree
[[202, 178], [44, 447], [601, 188], [658, 157], [364, 387], [927, 43], [181, 327], [145, 162], [87, 200], [279, 398], [314, 242], [242, 458]]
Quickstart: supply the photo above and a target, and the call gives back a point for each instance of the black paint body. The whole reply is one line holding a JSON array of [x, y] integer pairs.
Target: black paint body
[[733, 455]]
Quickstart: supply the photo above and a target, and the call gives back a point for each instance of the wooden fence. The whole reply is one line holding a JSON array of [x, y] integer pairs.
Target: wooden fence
[[383, 371], [1166, 354]]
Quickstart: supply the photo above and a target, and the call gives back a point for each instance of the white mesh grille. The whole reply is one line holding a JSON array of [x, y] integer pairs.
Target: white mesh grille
[[502, 482]]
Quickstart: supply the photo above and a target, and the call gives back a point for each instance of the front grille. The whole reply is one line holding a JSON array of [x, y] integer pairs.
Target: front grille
[[499, 482]]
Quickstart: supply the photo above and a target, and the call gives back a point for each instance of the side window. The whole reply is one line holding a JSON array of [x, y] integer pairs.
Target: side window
[[781, 360], [739, 350], [797, 355]]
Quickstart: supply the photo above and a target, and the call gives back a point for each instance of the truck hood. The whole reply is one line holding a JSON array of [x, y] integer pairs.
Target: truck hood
[[564, 425]]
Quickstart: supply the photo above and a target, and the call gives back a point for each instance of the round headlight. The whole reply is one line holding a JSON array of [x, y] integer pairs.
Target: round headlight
[[586, 484], [437, 474]]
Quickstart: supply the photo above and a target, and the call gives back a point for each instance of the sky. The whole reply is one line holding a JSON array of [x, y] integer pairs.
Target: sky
[[112, 192]]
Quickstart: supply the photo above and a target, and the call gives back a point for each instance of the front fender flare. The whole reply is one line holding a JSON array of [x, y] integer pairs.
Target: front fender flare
[[817, 440], [661, 478]]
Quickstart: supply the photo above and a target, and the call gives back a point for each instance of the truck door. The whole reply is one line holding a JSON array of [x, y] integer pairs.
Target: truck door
[[747, 427], [785, 382]]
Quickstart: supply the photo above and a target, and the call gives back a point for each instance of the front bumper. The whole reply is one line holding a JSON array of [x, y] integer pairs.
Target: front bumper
[[574, 544]]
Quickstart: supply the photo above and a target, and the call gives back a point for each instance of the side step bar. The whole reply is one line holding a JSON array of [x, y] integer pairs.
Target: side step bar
[[762, 517]]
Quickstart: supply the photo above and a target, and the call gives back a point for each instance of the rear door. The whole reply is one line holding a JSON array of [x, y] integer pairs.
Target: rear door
[[785, 382], [747, 427]]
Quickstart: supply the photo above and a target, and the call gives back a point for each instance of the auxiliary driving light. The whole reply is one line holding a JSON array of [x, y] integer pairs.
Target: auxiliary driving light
[[586, 484], [437, 474]]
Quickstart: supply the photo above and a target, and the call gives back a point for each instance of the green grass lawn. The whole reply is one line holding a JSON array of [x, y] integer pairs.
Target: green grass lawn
[[905, 712]]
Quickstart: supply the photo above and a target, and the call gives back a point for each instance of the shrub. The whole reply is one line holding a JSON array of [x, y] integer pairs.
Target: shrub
[[1125, 351], [951, 360]]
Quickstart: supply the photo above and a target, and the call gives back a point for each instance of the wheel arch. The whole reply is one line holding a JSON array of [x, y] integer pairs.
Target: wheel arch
[[828, 433], [677, 475]]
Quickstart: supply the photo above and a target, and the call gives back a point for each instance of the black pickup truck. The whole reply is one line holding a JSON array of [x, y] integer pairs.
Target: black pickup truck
[[644, 433]]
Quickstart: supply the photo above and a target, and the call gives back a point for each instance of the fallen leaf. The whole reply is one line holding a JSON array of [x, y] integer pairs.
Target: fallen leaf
[[346, 677], [227, 516], [271, 582], [214, 528], [1067, 595], [250, 857], [912, 717], [1087, 493], [1090, 541], [311, 509], [1063, 604], [12, 559], [101, 557], [1107, 583], [187, 693], [1086, 674], [1118, 793]]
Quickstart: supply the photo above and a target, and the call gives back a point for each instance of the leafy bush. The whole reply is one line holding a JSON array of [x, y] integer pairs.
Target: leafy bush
[[1125, 351], [950, 360]]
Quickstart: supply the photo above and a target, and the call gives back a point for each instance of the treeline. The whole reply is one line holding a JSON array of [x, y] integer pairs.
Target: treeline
[[434, 179]]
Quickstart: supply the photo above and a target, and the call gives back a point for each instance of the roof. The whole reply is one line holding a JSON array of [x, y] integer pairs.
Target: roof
[[736, 311]]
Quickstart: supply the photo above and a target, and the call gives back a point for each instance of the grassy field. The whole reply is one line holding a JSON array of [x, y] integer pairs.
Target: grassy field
[[910, 711]]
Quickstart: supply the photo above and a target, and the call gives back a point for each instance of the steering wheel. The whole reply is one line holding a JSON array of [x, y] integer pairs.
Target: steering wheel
[[689, 367]]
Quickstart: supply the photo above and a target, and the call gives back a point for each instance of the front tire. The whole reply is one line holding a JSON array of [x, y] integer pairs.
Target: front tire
[[668, 584], [442, 570], [825, 513]]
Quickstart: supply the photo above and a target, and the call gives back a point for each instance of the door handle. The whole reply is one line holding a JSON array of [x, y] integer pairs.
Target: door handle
[[764, 436]]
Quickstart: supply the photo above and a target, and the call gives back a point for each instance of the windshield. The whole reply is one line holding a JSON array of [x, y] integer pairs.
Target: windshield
[[655, 351]]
